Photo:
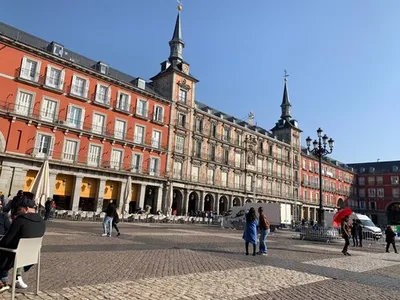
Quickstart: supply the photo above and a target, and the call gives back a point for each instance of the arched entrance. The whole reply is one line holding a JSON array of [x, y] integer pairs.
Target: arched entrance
[[192, 205], [176, 206], [223, 205], [260, 201], [208, 203], [236, 202], [340, 203], [393, 213], [149, 199], [249, 201]]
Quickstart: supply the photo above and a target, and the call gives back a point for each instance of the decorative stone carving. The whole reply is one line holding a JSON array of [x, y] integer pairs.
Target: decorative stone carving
[[250, 157], [182, 83]]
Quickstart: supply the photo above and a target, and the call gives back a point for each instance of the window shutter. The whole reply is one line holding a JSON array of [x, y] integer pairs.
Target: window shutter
[[37, 75], [62, 78], [129, 103], [68, 113], [48, 69], [51, 147], [82, 118], [73, 84], [108, 95], [23, 67], [86, 90], [118, 100], [37, 143]]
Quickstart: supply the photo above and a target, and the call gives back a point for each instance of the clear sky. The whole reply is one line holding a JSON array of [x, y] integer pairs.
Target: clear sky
[[342, 57]]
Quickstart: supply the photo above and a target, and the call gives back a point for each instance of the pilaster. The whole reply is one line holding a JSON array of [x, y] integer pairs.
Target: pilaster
[[77, 193]]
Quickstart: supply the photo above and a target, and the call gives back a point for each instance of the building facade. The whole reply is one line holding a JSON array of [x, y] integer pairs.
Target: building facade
[[96, 125], [338, 184], [378, 191]]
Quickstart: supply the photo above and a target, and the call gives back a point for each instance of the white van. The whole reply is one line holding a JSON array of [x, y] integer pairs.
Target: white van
[[369, 228]]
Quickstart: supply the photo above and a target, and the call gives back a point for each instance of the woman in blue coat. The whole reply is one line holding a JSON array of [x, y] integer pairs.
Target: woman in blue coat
[[250, 230]]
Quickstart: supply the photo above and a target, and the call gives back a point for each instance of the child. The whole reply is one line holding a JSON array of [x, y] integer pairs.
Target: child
[[390, 239]]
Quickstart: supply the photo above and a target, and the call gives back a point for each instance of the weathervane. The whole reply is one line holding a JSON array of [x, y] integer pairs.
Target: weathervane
[[286, 75], [179, 5]]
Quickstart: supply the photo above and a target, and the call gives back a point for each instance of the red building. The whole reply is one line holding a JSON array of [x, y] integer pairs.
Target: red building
[[95, 124], [338, 184]]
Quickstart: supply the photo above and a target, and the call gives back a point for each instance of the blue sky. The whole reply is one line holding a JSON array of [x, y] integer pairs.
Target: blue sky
[[342, 57]]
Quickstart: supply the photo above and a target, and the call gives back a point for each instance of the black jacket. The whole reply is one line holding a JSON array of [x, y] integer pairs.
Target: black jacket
[[111, 209], [29, 225], [390, 235], [14, 204], [4, 223]]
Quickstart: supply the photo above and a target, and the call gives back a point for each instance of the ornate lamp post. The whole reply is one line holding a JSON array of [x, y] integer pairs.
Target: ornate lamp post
[[320, 151]]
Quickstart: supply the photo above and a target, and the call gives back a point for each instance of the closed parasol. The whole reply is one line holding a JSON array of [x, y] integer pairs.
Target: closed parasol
[[338, 217]]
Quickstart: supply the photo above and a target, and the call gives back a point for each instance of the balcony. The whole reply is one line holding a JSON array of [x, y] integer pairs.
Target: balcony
[[181, 124], [78, 92], [55, 84], [29, 76], [157, 118], [101, 99], [122, 108], [142, 113]]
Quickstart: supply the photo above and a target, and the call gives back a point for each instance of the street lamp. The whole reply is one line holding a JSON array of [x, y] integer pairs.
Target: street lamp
[[320, 150]]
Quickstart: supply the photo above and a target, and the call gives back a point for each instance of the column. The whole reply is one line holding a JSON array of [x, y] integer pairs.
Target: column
[[308, 212], [100, 195], [185, 202], [77, 193], [229, 203], [217, 203], [201, 202], [165, 197], [142, 195], [159, 199], [52, 183], [122, 201]]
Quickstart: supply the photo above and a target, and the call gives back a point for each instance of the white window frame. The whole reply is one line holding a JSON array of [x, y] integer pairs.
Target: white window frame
[[224, 183], [128, 108], [155, 172], [153, 143], [194, 176], [60, 85], [37, 144], [181, 98], [117, 135], [85, 88], [76, 152], [135, 137], [210, 178], [99, 98], [372, 193], [112, 166], [29, 112], [380, 192], [24, 69], [103, 129], [177, 173], [177, 148], [396, 193], [82, 116], [98, 163], [139, 168], [145, 111], [260, 168], [155, 115], [395, 181], [380, 180], [238, 159], [42, 109], [237, 182]]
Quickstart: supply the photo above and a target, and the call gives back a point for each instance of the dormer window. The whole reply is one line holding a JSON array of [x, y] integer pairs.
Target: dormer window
[[371, 169], [395, 168], [102, 68], [56, 49], [362, 170]]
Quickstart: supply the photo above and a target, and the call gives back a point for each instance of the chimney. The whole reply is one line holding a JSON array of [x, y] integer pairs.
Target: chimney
[[250, 118]]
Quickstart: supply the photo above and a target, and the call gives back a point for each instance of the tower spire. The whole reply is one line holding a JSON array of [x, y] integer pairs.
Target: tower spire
[[176, 44], [285, 106]]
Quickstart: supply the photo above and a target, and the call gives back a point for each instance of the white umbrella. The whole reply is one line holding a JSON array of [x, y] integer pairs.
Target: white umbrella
[[127, 196], [41, 187]]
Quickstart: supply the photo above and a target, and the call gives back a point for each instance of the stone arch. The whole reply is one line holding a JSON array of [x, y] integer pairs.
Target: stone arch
[[393, 213], [193, 203], [340, 203], [223, 205], [208, 202], [237, 201], [177, 197], [249, 201], [2, 142], [260, 201]]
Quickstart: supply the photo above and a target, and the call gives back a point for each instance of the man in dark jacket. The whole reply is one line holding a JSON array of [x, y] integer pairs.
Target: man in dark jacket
[[4, 222], [14, 204], [107, 223], [48, 207], [27, 224]]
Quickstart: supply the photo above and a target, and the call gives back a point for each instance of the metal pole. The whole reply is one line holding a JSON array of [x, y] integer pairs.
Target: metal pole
[[320, 211]]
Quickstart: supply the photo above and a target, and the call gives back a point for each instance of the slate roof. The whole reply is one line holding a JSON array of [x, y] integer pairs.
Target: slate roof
[[329, 160], [378, 167]]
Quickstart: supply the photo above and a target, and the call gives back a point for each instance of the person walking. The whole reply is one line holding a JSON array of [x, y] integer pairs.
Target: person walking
[[48, 207], [107, 223], [250, 231], [354, 233], [345, 234], [359, 232], [115, 221], [390, 239], [264, 231]]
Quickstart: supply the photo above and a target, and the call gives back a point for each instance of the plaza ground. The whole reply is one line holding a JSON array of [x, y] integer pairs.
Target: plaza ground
[[168, 261]]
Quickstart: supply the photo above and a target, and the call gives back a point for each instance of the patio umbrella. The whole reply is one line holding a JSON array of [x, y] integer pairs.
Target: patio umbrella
[[127, 196], [41, 187], [338, 217]]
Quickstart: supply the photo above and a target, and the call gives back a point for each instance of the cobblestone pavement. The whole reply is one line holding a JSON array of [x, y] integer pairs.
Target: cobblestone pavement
[[171, 261]]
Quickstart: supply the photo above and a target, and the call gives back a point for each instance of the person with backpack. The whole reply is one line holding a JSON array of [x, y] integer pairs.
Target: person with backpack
[[263, 225]]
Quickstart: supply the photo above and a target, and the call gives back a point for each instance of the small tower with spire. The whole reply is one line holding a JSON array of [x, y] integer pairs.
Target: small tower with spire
[[285, 106], [176, 44]]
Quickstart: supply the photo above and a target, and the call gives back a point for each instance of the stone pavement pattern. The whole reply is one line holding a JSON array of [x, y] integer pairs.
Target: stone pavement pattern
[[168, 261]]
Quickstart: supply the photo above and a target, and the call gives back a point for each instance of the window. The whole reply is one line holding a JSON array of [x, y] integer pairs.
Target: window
[[197, 149], [279, 188], [237, 159], [137, 161], [119, 130], [123, 101], [305, 179], [179, 144], [199, 125], [379, 180], [279, 153], [79, 87], [103, 94], [30, 69], [98, 125], [279, 170], [394, 179], [210, 176], [226, 156], [372, 205], [44, 145], [212, 152], [141, 108], [371, 180], [361, 193], [24, 103], [182, 120], [94, 155], [55, 78], [214, 130], [177, 170], [395, 168], [154, 166], [224, 178], [381, 193], [371, 193], [261, 146], [316, 196], [226, 134], [238, 139], [311, 195], [75, 117], [249, 183], [182, 96], [304, 164], [259, 165], [310, 166], [195, 173], [361, 181], [158, 115], [270, 167], [396, 193], [270, 150], [49, 110], [237, 181], [70, 150], [139, 134], [259, 183], [305, 195], [116, 159], [156, 139]]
